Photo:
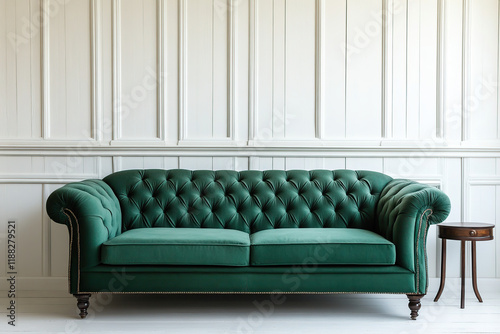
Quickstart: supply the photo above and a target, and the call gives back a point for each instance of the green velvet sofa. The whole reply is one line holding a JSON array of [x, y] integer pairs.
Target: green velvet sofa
[[272, 232]]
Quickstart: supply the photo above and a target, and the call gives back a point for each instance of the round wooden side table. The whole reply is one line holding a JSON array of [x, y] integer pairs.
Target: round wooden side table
[[464, 232]]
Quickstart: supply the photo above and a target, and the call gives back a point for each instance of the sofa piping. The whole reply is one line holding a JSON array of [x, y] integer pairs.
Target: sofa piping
[[71, 249], [416, 247]]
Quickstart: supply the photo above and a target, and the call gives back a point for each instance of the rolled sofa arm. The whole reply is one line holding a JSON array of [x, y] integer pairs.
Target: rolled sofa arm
[[92, 214], [405, 211]]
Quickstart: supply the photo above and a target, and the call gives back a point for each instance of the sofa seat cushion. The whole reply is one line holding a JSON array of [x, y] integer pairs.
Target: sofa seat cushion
[[178, 246], [320, 246]]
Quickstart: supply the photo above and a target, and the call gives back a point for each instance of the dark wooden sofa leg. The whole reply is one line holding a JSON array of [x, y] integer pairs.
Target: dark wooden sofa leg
[[414, 305], [83, 304]]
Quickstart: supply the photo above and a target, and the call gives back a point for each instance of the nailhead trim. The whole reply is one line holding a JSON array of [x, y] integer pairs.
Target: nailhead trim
[[252, 293], [425, 252], [71, 248]]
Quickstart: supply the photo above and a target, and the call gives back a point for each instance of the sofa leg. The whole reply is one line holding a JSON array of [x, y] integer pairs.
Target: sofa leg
[[83, 304], [414, 305]]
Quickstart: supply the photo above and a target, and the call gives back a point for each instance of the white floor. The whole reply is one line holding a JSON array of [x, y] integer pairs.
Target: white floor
[[55, 312]]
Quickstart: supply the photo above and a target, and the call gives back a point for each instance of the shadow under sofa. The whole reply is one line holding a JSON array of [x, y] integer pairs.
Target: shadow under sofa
[[182, 231]]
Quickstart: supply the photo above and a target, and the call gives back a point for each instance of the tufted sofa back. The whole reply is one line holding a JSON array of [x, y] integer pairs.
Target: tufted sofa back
[[248, 201]]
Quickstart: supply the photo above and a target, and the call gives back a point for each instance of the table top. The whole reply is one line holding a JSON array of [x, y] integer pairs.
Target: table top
[[467, 225], [466, 231]]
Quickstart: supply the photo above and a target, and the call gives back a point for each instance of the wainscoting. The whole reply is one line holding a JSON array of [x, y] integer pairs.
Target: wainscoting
[[405, 87]]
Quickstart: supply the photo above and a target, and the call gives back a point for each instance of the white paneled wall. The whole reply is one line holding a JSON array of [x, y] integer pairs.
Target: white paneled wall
[[67, 71], [88, 87], [136, 69]]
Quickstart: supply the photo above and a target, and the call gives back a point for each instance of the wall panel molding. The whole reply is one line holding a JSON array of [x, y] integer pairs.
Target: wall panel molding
[[285, 67], [138, 73], [481, 70], [67, 69], [440, 112], [483, 212], [364, 89], [253, 77], [116, 38], [45, 178], [320, 55], [182, 70], [465, 67], [96, 59], [218, 11], [44, 54], [283, 148], [387, 68], [232, 23], [160, 70]]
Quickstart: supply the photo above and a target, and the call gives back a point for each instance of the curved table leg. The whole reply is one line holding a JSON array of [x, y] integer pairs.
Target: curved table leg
[[474, 273], [443, 270]]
